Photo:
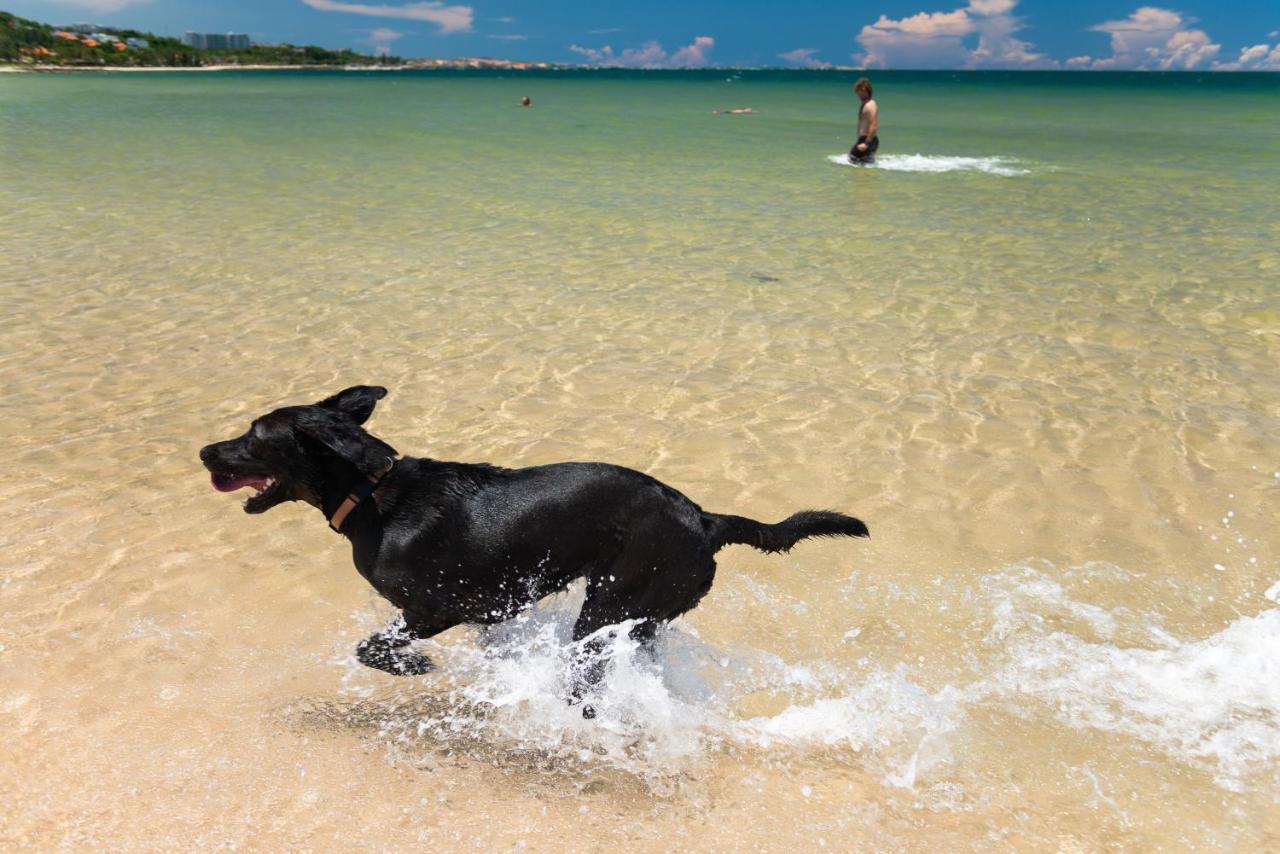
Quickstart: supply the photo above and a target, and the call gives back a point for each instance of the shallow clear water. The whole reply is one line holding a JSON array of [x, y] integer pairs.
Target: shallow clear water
[[1035, 348]]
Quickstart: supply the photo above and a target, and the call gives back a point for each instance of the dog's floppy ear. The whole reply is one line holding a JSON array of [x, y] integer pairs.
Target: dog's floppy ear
[[356, 402], [350, 441]]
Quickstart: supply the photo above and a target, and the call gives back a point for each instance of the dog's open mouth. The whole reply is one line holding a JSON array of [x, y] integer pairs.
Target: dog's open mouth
[[264, 488]]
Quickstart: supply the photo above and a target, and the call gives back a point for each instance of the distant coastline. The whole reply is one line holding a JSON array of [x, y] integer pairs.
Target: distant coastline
[[412, 65], [27, 45], [534, 67], [129, 69]]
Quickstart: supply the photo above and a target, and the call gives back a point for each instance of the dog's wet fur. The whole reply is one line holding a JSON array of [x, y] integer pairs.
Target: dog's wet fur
[[452, 543]]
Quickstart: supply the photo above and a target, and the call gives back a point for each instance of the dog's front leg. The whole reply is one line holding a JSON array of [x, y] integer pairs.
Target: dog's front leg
[[385, 650]]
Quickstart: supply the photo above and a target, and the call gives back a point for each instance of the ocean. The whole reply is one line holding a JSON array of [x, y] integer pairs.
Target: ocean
[[1036, 348]]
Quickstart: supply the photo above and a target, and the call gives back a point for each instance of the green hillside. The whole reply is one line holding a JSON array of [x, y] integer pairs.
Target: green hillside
[[27, 42]]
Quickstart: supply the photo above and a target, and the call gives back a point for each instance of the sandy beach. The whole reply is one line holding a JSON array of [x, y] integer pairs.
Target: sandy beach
[[1044, 374]]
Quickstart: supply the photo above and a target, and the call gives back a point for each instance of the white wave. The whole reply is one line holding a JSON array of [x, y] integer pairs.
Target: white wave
[[938, 163], [658, 717], [881, 713], [1212, 702]]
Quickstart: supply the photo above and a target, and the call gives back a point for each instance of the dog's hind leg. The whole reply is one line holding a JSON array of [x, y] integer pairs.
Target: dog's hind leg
[[591, 659], [656, 581], [385, 650]]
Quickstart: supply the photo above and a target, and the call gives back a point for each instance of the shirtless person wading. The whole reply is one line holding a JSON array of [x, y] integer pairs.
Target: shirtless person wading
[[864, 150]]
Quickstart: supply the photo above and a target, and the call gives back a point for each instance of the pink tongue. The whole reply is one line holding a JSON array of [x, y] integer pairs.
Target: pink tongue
[[230, 482]]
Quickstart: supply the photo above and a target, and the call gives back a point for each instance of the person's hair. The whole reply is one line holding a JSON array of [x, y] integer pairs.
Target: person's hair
[[863, 83]]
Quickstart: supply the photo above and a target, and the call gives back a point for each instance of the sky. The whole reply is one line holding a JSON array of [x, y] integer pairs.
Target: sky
[[1068, 34]]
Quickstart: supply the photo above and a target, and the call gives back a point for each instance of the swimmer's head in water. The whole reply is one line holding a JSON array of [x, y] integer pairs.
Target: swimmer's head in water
[[525, 102]]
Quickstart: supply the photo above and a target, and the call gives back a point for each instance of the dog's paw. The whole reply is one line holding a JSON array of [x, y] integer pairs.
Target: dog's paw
[[378, 655], [410, 664]]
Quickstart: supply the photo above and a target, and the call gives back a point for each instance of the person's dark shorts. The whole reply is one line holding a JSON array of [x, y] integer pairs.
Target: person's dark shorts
[[867, 155]]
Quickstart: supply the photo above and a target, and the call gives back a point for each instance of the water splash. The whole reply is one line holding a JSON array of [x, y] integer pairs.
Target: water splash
[[1212, 703], [1007, 166], [660, 716]]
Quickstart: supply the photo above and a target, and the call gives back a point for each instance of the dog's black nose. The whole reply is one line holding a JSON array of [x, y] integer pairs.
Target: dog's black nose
[[206, 453]]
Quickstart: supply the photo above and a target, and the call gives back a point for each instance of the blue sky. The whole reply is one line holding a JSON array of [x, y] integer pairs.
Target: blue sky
[[1101, 34]]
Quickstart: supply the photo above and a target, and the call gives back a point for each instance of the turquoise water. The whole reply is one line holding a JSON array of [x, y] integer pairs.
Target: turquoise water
[[1178, 164], [1035, 347], [1127, 174]]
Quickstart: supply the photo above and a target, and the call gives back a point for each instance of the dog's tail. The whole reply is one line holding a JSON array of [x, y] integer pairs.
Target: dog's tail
[[780, 537]]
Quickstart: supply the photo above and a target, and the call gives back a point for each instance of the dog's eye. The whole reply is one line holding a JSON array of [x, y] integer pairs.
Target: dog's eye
[[256, 447]]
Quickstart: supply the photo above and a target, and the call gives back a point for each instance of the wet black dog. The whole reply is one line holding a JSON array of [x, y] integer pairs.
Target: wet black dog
[[451, 543]]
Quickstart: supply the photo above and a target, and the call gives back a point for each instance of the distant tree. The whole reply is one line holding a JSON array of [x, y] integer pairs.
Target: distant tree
[[17, 34]]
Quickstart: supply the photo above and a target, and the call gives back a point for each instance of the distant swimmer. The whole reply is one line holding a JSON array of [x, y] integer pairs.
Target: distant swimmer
[[864, 150], [525, 102]]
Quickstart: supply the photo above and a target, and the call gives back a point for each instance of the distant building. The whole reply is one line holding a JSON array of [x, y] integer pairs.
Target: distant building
[[216, 41], [136, 42]]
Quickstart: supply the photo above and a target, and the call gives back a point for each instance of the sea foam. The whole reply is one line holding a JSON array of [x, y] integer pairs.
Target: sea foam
[[938, 163], [1212, 702], [658, 716]]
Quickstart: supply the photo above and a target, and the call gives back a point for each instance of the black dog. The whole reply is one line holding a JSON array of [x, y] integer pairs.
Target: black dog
[[451, 543]]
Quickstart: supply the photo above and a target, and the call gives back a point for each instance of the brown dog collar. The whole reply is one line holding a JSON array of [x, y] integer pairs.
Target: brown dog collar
[[360, 492]]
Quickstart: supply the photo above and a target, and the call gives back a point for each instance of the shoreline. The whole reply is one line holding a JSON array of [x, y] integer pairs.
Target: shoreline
[[67, 69], [461, 65], [466, 66]]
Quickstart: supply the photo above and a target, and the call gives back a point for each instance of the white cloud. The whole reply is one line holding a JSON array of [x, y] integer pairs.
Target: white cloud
[[992, 7], [102, 7], [511, 38], [804, 56], [942, 39], [450, 19], [998, 48], [924, 40], [1153, 38], [650, 55], [694, 55], [1251, 55], [595, 56], [1260, 57], [381, 39]]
